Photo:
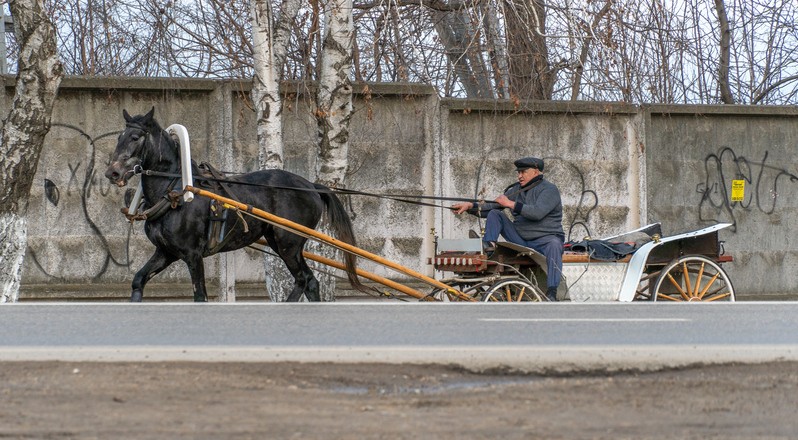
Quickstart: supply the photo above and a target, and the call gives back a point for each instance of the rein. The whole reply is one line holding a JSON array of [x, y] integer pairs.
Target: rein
[[396, 197]]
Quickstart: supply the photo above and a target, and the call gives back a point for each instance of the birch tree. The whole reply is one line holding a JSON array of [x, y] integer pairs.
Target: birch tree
[[39, 74], [334, 97], [269, 44], [334, 108], [270, 37]]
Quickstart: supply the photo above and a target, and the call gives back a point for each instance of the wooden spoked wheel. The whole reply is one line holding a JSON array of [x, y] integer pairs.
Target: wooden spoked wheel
[[473, 289], [693, 278], [513, 291]]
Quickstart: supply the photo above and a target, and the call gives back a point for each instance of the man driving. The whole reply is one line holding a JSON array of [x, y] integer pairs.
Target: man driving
[[537, 218]]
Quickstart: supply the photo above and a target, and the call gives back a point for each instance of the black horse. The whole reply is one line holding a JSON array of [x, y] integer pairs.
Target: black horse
[[184, 231]]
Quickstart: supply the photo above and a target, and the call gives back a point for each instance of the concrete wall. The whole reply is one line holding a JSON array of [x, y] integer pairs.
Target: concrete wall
[[618, 166], [693, 154]]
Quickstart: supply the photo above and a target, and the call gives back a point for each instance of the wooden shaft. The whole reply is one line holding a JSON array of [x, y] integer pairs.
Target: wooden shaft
[[318, 236], [365, 274], [371, 276]]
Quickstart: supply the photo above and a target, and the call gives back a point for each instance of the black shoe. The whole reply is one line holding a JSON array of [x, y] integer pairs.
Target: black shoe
[[488, 247], [551, 294]]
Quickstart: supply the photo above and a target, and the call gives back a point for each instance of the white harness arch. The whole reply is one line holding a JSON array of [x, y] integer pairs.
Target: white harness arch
[[185, 166]]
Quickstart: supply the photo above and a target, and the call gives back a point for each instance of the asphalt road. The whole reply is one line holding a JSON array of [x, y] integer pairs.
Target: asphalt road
[[524, 337]]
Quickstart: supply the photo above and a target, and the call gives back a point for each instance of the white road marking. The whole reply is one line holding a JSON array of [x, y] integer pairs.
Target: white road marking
[[585, 319]]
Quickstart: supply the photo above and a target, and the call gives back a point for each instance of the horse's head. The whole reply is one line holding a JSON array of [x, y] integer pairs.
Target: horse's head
[[130, 146]]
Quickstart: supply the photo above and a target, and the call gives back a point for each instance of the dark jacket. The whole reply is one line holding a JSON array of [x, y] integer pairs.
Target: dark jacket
[[537, 211]]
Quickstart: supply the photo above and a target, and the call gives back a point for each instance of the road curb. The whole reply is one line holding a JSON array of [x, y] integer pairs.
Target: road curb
[[533, 360]]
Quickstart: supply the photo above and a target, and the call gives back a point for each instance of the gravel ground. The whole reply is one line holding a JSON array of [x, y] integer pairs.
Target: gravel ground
[[54, 400]]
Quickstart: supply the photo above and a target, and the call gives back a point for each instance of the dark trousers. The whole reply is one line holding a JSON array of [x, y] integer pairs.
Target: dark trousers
[[550, 246]]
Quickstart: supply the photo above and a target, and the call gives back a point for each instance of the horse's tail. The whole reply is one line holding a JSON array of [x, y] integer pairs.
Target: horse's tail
[[341, 224]]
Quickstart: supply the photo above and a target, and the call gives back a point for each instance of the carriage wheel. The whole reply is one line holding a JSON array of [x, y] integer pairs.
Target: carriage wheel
[[513, 291], [693, 278], [472, 289]]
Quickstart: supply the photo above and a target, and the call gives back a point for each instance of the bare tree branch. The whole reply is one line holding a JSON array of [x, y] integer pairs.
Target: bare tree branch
[[725, 54]]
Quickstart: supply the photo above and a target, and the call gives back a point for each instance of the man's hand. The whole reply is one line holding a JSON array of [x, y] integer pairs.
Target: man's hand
[[462, 207], [504, 201]]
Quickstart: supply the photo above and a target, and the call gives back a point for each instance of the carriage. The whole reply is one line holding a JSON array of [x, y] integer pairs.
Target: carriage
[[637, 265], [645, 267]]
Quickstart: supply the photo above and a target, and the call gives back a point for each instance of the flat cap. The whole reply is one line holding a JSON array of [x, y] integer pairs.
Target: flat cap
[[529, 162]]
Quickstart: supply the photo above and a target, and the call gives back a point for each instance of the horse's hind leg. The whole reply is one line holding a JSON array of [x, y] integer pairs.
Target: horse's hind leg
[[304, 282], [291, 254], [157, 263]]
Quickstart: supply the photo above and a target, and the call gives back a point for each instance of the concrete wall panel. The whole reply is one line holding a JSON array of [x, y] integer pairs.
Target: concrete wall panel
[[618, 167], [694, 157]]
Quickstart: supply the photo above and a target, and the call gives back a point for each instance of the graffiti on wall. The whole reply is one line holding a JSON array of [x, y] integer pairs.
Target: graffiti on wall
[[85, 182], [578, 217], [762, 180]]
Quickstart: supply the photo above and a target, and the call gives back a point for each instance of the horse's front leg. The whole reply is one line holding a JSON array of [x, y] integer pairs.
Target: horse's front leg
[[196, 267], [157, 263]]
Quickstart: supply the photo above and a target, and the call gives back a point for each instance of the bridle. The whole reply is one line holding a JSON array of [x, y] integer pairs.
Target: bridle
[[137, 168]]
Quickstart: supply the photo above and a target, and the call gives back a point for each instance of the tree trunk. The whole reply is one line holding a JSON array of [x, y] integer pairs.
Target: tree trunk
[[531, 75], [458, 36], [726, 95], [334, 110], [270, 42], [496, 51], [39, 75]]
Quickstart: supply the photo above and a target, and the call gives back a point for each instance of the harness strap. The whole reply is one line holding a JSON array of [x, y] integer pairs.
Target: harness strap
[[156, 211], [219, 177], [218, 237], [214, 245], [171, 200]]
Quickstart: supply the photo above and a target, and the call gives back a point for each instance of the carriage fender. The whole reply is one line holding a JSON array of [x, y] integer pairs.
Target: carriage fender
[[637, 264]]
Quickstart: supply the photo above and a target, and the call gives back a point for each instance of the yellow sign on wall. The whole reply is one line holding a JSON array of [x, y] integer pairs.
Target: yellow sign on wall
[[738, 190]]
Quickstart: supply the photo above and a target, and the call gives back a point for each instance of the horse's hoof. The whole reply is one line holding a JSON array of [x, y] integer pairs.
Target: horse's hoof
[[135, 297]]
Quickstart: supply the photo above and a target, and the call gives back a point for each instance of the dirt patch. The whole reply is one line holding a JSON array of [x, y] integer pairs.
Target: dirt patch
[[364, 401]]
